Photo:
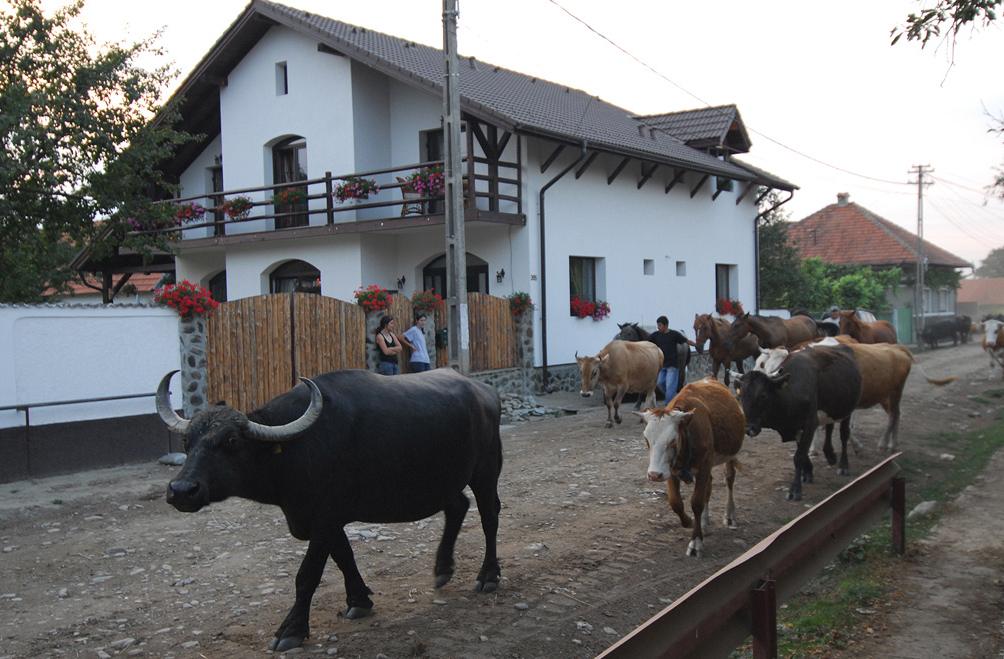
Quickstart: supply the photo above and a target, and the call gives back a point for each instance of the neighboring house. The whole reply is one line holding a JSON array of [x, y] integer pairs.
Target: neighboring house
[[135, 289], [566, 194], [845, 233], [981, 297]]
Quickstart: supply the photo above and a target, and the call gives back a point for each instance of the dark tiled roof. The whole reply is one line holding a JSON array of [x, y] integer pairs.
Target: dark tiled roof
[[512, 100], [704, 127], [850, 234]]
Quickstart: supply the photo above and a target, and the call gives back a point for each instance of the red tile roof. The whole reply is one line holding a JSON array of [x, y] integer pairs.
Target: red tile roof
[[144, 283], [984, 292], [846, 234]]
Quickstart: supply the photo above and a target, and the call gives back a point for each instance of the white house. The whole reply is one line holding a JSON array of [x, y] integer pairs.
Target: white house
[[567, 194]]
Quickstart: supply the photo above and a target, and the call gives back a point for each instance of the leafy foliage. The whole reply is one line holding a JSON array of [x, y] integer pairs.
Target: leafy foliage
[[520, 303], [726, 307], [595, 309], [355, 187], [372, 298], [427, 181], [237, 208], [781, 278], [187, 298], [426, 300], [78, 143], [992, 265], [956, 13]]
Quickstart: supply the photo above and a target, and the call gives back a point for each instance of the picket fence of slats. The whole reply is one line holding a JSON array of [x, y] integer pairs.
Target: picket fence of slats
[[259, 347]]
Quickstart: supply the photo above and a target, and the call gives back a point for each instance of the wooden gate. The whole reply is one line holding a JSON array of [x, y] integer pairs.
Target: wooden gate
[[259, 347], [492, 333]]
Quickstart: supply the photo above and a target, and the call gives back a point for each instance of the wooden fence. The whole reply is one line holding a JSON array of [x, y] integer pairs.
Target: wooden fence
[[259, 347], [492, 333]]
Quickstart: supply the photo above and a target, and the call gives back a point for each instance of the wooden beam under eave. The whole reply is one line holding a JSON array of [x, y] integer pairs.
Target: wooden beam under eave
[[617, 170], [584, 166], [550, 158], [645, 176], [328, 50], [700, 184], [749, 186], [717, 192], [678, 177]]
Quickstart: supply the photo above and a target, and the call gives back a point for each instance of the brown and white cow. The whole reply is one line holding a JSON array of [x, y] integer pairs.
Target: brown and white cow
[[993, 342], [621, 367], [702, 427]]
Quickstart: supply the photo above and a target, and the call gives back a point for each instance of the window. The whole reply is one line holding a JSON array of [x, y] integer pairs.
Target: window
[[725, 281], [648, 266], [681, 268], [281, 79], [289, 163], [218, 287], [434, 275], [433, 148], [295, 277], [582, 277]]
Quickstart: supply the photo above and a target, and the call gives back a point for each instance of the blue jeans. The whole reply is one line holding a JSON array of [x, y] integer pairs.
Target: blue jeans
[[389, 368], [668, 379], [420, 367]]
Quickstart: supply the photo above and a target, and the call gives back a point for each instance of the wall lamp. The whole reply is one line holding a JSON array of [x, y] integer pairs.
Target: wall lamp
[[500, 275], [400, 282]]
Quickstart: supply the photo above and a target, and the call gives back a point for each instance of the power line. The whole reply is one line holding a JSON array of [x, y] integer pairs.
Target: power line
[[709, 106]]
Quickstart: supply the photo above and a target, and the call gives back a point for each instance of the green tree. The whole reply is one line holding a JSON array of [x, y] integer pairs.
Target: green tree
[[79, 143], [780, 275], [992, 265], [952, 14]]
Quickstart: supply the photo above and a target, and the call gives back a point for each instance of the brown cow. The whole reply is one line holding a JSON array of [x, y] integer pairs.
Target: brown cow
[[700, 428], [772, 331], [709, 328], [621, 367], [881, 331]]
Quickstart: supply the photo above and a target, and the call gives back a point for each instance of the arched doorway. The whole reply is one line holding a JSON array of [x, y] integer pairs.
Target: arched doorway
[[434, 275]]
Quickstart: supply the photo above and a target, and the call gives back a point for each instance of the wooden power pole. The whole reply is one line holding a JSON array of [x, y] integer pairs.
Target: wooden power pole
[[456, 243]]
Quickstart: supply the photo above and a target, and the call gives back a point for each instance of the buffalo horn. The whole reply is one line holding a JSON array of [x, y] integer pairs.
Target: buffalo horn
[[293, 428], [167, 414]]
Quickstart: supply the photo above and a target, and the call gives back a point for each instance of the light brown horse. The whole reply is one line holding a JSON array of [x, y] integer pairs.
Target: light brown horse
[[772, 331], [709, 328], [881, 331]]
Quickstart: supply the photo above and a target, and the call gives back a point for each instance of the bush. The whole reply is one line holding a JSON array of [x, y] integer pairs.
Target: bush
[[187, 298], [372, 298], [426, 300], [520, 303]]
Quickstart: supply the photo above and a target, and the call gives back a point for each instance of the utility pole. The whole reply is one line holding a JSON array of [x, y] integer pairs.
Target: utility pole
[[456, 243], [919, 311]]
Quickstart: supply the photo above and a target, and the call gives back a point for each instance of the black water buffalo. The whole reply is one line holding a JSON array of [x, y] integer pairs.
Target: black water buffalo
[[963, 325], [822, 385], [940, 329], [350, 446]]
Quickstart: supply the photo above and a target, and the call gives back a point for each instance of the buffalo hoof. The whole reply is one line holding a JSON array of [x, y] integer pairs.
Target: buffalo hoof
[[443, 579], [843, 471], [283, 644], [356, 612], [794, 496], [486, 587], [609, 425]]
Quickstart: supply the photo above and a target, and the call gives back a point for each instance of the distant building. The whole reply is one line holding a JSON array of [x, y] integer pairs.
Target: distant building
[[846, 233], [980, 297]]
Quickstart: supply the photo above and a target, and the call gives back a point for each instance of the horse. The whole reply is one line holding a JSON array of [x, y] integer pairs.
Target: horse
[[772, 331], [825, 328], [709, 328], [880, 331], [631, 332]]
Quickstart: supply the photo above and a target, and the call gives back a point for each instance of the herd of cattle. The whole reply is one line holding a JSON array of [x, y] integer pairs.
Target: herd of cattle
[[323, 451]]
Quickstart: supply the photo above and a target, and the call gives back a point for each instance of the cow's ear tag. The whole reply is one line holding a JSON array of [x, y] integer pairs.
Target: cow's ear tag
[[785, 384], [277, 449]]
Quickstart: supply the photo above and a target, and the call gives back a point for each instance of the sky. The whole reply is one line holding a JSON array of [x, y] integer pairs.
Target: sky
[[829, 104]]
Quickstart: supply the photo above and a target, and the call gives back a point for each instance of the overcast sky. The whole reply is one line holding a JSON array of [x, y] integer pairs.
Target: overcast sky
[[829, 104]]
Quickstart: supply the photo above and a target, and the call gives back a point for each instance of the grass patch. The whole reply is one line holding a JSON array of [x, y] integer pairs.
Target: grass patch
[[831, 609]]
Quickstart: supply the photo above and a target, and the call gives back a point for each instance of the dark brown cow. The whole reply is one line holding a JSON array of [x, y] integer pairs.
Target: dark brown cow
[[714, 330], [880, 331], [772, 331], [621, 367], [700, 428], [819, 385]]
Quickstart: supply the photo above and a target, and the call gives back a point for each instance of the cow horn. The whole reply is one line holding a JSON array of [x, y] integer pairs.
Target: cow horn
[[293, 428], [167, 414]]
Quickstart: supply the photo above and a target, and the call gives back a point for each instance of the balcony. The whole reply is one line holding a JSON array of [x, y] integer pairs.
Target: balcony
[[489, 197]]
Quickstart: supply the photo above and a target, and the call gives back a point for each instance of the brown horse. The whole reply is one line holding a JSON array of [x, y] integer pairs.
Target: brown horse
[[772, 331], [881, 331], [709, 328]]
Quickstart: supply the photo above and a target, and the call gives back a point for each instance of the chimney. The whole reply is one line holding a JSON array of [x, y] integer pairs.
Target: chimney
[[843, 198]]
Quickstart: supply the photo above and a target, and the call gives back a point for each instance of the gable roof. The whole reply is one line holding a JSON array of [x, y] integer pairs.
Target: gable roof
[[514, 101], [984, 292], [845, 233], [704, 128]]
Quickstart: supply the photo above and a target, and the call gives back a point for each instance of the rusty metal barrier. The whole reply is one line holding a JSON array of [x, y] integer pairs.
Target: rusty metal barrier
[[741, 599]]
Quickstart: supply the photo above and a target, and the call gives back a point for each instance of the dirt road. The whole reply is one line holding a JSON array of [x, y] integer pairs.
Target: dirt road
[[97, 564]]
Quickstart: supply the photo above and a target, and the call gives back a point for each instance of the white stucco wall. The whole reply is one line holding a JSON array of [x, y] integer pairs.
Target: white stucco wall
[[58, 353]]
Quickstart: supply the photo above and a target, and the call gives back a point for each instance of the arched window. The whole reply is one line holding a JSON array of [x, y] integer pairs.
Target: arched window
[[295, 277], [289, 164], [434, 275]]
